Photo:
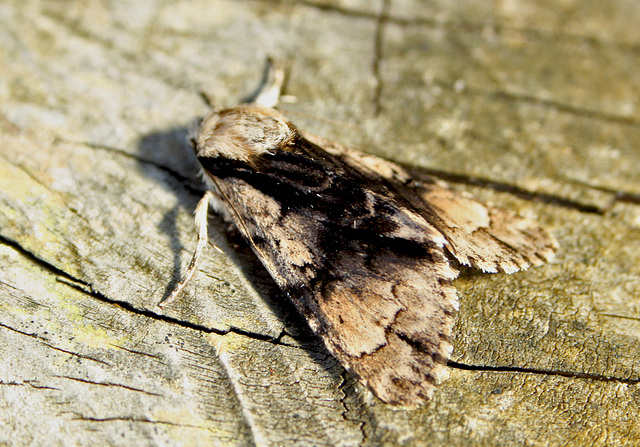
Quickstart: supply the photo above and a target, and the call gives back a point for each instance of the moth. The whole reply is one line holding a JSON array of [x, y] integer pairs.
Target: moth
[[359, 247]]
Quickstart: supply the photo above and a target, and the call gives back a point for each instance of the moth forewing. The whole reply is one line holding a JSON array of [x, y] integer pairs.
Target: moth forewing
[[359, 248]]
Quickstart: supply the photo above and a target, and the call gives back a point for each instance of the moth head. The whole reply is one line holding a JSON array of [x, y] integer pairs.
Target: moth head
[[243, 133]]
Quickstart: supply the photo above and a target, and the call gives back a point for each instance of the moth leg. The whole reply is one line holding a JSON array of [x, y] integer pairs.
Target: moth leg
[[201, 225], [270, 90]]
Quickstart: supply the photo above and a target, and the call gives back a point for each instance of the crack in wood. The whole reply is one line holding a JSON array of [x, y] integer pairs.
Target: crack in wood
[[378, 54], [514, 190], [30, 383], [81, 417], [109, 384], [45, 342], [86, 289], [457, 25], [517, 369], [419, 172], [556, 105]]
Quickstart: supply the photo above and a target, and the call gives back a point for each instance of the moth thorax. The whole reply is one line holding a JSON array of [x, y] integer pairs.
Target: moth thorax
[[242, 133]]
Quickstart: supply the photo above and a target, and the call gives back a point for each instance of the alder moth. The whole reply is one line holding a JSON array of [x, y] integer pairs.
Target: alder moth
[[359, 247]]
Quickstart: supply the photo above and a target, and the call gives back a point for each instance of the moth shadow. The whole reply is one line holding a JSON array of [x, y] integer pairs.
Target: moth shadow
[[167, 158]]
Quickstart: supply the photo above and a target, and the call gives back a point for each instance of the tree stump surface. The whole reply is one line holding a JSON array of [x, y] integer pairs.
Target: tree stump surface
[[530, 105]]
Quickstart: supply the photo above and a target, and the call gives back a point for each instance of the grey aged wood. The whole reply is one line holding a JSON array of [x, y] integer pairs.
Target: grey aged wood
[[530, 105]]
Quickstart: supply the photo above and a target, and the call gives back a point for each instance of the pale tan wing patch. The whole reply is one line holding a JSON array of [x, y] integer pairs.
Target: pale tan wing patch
[[485, 236], [478, 234], [387, 317], [393, 332]]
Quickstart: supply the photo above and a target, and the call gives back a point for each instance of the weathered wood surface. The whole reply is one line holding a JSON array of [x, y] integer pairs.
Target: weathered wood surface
[[536, 104]]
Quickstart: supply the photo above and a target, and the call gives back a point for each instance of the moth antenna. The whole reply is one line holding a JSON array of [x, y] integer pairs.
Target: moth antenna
[[271, 87], [207, 99], [201, 225]]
